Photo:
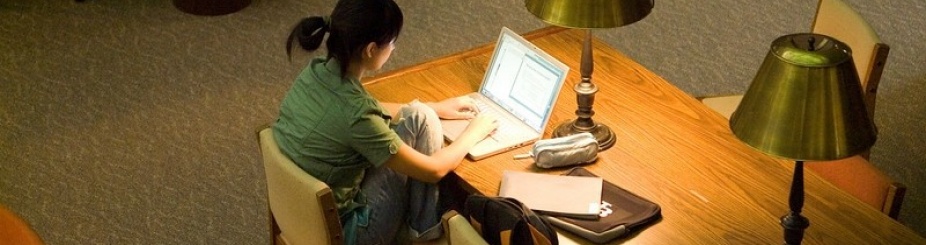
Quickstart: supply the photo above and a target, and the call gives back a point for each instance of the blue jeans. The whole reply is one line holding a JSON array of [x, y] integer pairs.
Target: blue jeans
[[392, 196]]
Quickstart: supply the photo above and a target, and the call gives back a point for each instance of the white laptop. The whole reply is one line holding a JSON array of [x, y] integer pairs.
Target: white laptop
[[520, 87]]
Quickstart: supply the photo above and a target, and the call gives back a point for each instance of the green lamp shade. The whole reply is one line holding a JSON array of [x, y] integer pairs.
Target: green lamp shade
[[805, 102], [590, 13]]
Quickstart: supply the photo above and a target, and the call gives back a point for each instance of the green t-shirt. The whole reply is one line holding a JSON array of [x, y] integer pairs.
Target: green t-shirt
[[334, 130]]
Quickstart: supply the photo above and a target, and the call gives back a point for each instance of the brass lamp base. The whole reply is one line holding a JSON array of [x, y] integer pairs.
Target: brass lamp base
[[602, 133]]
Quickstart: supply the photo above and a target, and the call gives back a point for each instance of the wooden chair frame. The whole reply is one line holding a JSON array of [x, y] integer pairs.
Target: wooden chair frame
[[324, 196]]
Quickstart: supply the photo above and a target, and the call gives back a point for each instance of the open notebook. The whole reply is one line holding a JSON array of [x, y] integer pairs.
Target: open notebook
[[520, 87]]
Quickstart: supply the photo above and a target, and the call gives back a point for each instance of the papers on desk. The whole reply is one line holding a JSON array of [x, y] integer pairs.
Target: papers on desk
[[560, 195]]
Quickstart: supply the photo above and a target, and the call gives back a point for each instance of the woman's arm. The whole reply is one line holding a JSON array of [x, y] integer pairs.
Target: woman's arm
[[462, 107]]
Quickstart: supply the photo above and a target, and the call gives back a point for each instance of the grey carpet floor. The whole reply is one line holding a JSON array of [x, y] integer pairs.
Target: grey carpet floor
[[130, 122]]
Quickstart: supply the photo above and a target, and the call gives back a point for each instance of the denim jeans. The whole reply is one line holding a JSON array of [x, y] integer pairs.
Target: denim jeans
[[392, 196]]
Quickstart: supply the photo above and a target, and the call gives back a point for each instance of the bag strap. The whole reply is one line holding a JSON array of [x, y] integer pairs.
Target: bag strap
[[532, 219]]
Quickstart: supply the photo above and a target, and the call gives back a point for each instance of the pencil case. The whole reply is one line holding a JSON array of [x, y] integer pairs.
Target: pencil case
[[581, 148]]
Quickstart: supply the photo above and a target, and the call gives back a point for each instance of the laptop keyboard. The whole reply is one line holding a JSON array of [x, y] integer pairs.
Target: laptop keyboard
[[506, 129]]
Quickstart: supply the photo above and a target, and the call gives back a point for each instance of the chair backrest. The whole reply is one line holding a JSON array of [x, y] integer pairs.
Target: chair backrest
[[856, 175], [837, 19], [861, 179], [15, 230], [302, 208]]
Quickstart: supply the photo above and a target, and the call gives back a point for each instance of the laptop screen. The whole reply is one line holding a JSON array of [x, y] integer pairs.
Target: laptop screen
[[523, 79]]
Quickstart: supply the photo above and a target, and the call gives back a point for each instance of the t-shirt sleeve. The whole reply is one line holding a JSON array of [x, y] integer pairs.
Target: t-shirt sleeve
[[372, 137]]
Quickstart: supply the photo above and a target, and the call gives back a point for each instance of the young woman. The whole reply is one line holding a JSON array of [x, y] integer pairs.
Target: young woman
[[381, 160]]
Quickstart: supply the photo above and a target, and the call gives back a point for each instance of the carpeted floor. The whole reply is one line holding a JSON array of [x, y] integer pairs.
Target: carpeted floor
[[130, 122]]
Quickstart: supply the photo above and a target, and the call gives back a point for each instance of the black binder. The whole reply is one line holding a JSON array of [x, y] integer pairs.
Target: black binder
[[623, 212]]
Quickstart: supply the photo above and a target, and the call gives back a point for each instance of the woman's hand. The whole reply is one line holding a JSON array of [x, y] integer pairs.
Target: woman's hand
[[481, 126], [463, 107]]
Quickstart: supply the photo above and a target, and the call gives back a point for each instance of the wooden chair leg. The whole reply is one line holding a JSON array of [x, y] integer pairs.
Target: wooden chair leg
[[892, 203], [275, 238]]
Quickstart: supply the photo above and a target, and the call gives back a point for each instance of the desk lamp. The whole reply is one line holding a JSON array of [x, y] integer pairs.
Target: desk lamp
[[588, 14], [805, 103]]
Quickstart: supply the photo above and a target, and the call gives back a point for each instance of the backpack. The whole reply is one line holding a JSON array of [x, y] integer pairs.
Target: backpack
[[506, 221]]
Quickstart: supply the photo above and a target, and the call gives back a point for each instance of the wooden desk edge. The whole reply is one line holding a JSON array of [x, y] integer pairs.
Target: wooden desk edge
[[458, 56]]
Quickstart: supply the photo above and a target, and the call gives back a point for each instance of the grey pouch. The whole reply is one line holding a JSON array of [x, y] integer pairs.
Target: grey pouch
[[564, 151]]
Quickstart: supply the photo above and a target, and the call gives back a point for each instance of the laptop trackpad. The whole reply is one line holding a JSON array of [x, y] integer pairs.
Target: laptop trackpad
[[453, 128]]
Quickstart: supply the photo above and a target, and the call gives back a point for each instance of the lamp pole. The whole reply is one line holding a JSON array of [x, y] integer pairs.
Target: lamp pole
[[585, 97], [793, 223]]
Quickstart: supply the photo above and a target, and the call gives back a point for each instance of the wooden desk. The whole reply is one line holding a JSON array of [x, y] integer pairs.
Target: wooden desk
[[670, 149]]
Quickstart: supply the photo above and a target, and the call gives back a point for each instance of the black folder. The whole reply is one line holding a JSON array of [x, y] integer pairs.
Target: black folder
[[622, 213]]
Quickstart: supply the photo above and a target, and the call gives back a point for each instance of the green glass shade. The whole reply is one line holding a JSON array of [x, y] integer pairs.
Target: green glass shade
[[805, 102], [590, 13]]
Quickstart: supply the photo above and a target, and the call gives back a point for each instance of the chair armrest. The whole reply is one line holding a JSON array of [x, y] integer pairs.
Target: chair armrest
[[459, 231]]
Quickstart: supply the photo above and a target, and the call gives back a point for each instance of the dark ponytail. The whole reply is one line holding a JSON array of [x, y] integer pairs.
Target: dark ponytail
[[353, 24], [309, 32]]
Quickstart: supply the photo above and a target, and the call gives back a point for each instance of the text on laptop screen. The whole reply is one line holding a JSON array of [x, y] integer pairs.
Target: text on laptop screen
[[523, 82]]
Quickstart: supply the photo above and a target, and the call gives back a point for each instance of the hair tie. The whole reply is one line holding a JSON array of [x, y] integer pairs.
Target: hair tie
[[327, 20]]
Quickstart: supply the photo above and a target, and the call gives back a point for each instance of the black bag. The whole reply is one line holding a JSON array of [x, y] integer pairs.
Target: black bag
[[502, 220]]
